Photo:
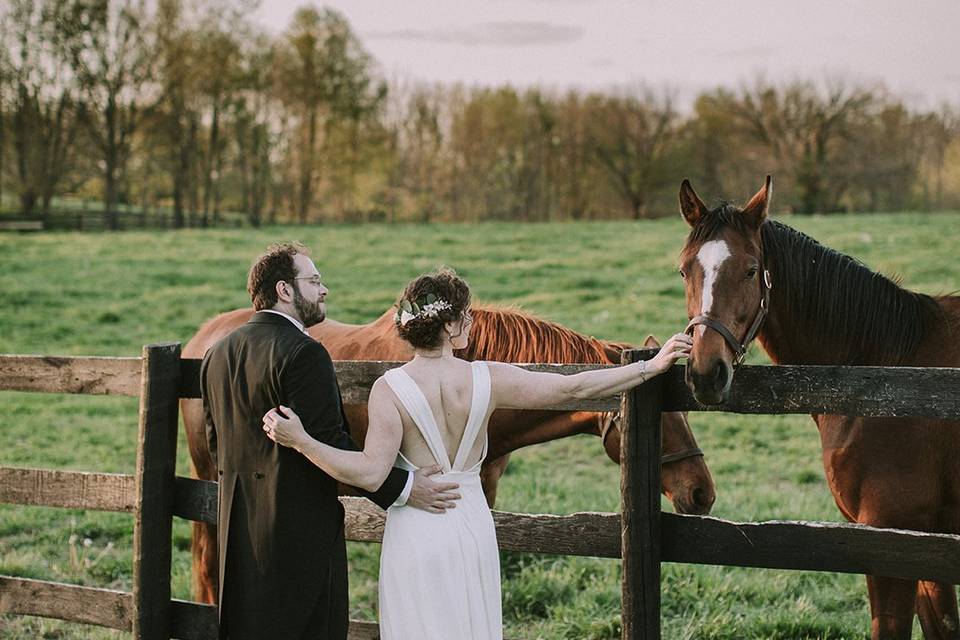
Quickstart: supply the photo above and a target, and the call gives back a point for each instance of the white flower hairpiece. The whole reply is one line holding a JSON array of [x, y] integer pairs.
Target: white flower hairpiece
[[430, 307]]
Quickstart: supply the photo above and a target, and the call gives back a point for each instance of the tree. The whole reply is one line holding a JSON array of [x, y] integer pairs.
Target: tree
[[43, 107], [111, 50], [802, 127], [634, 139], [324, 79], [253, 126]]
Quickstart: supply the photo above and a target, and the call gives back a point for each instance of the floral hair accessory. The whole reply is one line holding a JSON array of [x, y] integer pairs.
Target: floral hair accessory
[[428, 306]]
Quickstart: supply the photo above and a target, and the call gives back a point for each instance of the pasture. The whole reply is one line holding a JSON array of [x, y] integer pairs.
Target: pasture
[[77, 294]]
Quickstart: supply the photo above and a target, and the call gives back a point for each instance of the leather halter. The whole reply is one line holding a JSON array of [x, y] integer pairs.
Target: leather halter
[[739, 347], [611, 417]]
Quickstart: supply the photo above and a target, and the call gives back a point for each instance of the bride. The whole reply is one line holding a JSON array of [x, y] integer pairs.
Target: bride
[[440, 572]]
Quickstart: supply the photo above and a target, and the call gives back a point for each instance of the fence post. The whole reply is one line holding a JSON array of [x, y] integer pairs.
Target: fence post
[[640, 506], [156, 469]]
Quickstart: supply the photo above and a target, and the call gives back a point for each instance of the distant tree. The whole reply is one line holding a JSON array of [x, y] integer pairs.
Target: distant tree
[[254, 130], [111, 50], [802, 127], [324, 78], [634, 138], [43, 108]]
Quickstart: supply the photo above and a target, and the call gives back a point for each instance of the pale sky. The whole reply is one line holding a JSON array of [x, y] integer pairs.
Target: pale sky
[[911, 46]]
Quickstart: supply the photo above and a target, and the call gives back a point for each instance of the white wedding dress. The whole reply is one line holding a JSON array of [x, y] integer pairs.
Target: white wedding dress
[[440, 573]]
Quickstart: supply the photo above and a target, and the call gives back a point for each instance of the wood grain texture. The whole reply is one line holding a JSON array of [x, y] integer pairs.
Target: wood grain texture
[[80, 374]]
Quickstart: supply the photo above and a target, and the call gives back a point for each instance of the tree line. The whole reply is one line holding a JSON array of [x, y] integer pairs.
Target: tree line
[[191, 106]]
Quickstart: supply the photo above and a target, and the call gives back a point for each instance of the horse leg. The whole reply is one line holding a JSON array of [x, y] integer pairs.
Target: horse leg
[[891, 607], [937, 609], [205, 563], [490, 474]]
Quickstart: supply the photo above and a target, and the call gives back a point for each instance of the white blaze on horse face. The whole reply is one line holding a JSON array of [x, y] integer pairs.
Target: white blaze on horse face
[[711, 257]]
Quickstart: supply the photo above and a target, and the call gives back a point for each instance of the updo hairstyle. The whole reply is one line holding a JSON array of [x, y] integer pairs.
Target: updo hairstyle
[[425, 330]]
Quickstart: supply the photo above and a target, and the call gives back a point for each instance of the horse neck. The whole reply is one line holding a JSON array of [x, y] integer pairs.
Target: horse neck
[[828, 309], [505, 335], [377, 340]]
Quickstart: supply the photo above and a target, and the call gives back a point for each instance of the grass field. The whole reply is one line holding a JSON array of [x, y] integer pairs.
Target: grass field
[[83, 294]]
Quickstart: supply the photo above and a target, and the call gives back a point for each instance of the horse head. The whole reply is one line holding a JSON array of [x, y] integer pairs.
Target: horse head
[[727, 287], [684, 476]]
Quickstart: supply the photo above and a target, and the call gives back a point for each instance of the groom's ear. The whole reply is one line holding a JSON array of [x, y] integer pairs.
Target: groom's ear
[[284, 291]]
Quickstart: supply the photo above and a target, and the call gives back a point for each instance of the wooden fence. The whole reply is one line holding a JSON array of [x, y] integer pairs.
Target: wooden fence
[[644, 537], [78, 219]]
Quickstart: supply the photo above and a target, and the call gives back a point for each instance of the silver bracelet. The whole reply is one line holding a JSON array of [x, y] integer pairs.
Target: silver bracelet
[[643, 372]]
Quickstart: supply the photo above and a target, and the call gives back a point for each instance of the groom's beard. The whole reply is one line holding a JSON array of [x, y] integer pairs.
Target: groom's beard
[[310, 313]]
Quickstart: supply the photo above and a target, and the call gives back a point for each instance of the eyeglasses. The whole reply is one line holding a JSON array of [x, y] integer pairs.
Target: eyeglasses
[[314, 280]]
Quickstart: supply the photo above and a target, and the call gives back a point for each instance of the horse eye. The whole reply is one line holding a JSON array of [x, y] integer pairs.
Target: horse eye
[[752, 271], [683, 274]]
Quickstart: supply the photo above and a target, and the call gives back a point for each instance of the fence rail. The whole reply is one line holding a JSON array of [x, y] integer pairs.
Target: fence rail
[[643, 536], [94, 219]]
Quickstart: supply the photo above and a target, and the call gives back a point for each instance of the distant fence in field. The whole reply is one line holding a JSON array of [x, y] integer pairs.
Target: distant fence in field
[[74, 219], [641, 535]]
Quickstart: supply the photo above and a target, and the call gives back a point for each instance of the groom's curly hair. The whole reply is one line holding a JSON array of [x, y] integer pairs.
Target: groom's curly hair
[[424, 331], [274, 265]]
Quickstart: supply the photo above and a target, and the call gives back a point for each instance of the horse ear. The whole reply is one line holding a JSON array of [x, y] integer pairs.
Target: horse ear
[[755, 211], [651, 343], [691, 206]]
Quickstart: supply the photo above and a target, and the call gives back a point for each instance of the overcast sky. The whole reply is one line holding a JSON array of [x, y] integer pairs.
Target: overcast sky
[[912, 47]]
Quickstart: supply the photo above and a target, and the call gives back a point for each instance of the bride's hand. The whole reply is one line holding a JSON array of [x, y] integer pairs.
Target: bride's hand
[[675, 348], [283, 426]]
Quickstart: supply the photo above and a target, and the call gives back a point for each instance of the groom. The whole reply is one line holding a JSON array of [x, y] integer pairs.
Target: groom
[[283, 566]]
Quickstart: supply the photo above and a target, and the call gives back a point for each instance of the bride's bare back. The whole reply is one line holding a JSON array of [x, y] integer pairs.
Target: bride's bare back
[[447, 385]]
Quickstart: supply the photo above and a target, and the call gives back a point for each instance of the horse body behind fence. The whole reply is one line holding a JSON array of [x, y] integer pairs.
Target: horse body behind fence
[[499, 334], [825, 308]]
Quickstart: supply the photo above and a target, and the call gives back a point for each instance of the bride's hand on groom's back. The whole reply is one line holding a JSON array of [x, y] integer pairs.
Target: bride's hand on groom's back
[[284, 427], [432, 496]]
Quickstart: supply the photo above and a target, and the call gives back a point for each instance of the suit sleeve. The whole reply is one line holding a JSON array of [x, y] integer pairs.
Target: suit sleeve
[[310, 384], [209, 428]]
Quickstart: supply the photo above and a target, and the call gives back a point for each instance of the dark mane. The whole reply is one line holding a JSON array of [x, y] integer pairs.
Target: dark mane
[[860, 316], [726, 216], [509, 335]]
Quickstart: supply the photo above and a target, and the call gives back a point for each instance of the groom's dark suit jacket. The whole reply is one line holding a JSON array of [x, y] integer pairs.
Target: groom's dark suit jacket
[[282, 551]]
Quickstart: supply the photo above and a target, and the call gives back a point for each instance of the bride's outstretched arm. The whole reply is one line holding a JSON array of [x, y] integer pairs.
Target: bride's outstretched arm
[[516, 388], [365, 469]]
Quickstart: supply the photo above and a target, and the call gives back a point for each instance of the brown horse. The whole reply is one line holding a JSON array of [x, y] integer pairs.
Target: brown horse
[[498, 334], [825, 308]]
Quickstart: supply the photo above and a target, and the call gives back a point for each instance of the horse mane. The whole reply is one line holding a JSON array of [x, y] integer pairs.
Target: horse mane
[[859, 315], [507, 334]]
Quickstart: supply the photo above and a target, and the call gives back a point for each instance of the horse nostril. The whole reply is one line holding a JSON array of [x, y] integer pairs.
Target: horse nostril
[[721, 374], [703, 499], [698, 496]]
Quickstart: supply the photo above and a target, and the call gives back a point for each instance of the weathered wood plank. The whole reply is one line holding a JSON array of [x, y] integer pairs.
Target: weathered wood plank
[[195, 500], [101, 607], [850, 391], [363, 630], [357, 376], [190, 377], [698, 540], [193, 621], [812, 546], [156, 462], [579, 534], [70, 489], [70, 374], [640, 507], [866, 391]]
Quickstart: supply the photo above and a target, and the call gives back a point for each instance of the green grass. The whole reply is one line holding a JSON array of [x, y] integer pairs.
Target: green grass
[[91, 294]]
